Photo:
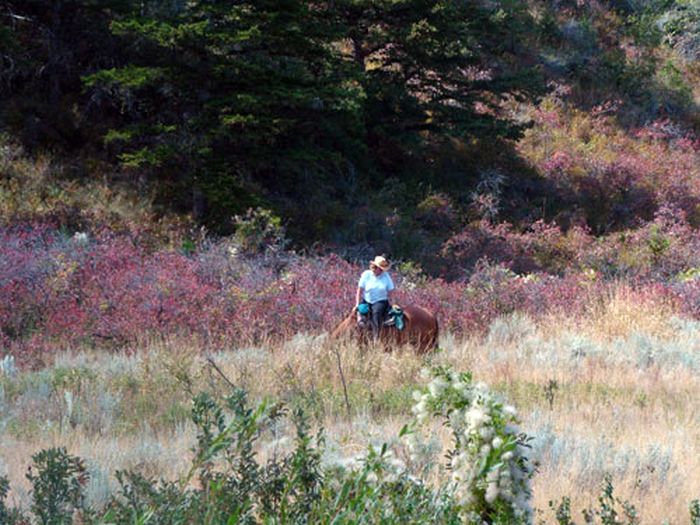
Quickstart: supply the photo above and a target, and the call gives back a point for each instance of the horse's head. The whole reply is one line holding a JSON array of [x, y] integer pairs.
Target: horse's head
[[345, 327]]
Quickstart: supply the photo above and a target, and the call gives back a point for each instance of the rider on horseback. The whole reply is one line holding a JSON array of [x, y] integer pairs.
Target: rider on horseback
[[374, 294]]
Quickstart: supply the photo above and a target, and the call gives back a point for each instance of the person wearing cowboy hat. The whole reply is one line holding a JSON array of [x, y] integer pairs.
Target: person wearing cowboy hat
[[374, 294]]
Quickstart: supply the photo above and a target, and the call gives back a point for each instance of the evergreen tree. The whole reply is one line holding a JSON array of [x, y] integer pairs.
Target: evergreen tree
[[45, 48], [438, 69], [277, 102], [246, 99]]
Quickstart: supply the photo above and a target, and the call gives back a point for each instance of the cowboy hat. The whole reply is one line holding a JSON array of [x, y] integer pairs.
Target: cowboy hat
[[380, 262]]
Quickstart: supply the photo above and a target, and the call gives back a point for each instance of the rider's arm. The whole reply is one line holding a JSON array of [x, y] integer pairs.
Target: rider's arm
[[358, 295], [389, 289]]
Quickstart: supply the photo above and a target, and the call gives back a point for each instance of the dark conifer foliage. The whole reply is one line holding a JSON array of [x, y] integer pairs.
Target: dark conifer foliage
[[301, 106], [45, 48], [247, 97], [438, 66]]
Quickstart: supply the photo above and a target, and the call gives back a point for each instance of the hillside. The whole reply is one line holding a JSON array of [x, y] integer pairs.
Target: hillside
[[367, 126], [189, 191]]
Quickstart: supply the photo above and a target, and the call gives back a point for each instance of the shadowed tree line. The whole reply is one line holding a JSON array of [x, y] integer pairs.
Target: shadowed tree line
[[391, 123], [300, 106]]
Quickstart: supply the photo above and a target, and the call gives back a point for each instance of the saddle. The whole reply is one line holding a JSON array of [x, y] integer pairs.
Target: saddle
[[394, 317]]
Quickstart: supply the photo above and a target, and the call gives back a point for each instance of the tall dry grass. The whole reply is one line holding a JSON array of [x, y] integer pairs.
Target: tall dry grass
[[614, 391]]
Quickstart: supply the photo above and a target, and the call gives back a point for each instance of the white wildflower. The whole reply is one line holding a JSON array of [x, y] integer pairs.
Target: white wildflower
[[460, 387], [419, 408], [491, 492], [483, 425], [437, 386], [493, 475], [80, 237], [481, 388], [510, 410], [475, 417], [486, 433], [506, 494]]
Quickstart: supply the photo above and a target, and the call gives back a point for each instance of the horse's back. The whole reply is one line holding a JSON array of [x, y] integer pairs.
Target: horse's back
[[421, 327]]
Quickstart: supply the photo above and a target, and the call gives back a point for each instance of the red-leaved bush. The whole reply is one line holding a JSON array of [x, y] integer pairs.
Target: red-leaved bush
[[609, 177], [60, 291]]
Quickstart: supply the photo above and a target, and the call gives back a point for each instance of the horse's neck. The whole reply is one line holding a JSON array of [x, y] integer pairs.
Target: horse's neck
[[344, 325]]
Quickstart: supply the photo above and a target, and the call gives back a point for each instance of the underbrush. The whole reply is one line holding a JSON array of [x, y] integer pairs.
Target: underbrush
[[263, 463], [77, 194], [594, 403], [227, 484], [113, 291]]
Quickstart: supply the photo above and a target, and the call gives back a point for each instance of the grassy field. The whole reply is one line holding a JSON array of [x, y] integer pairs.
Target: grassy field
[[614, 391]]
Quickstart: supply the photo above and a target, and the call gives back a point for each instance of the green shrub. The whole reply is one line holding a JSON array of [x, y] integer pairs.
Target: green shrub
[[301, 483], [611, 510], [9, 516], [58, 480], [695, 512], [293, 487]]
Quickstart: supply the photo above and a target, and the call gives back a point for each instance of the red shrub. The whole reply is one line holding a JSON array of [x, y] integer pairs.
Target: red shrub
[[61, 291]]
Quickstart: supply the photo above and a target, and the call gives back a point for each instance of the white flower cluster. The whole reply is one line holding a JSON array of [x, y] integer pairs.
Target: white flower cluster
[[7, 366], [489, 469], [80, 238], [392, 468]]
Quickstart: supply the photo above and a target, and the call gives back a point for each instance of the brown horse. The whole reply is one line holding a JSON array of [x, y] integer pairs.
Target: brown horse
[[420, 330]]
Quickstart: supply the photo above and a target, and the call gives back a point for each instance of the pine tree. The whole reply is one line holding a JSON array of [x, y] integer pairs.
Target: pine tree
[[438, 69], [281, 102], [246, 98]]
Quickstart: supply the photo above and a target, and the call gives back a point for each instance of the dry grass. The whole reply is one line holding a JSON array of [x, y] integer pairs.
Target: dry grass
[[81, 193], [620, 312], [623, 389]]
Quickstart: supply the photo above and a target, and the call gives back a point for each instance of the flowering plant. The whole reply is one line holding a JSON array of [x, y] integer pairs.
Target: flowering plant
[[489, 470]]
